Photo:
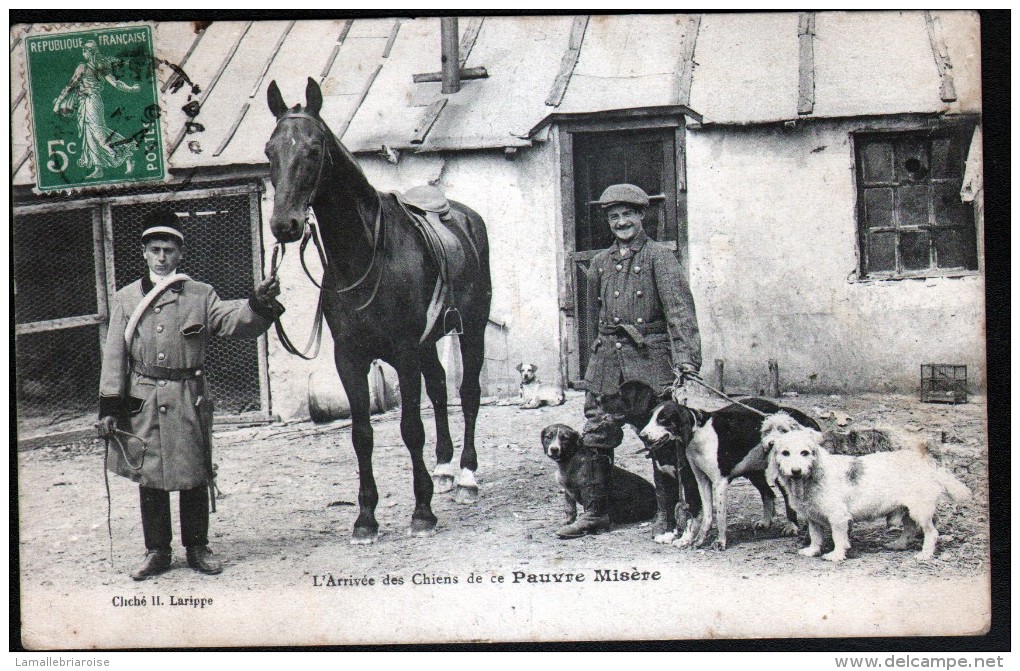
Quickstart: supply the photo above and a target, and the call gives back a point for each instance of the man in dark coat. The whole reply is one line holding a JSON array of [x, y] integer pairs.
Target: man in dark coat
[[152, 386], [647, 331]]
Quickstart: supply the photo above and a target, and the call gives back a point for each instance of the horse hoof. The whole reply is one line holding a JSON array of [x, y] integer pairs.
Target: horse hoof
[[442, 483], [466, 495], [422, 528], [362, 536]]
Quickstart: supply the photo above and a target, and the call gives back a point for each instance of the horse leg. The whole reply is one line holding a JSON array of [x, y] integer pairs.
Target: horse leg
[[472, 354], [423, 522], [354, 376], [435, 387]]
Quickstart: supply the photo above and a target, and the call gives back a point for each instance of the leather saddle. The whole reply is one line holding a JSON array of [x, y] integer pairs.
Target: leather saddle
[[431, 212]]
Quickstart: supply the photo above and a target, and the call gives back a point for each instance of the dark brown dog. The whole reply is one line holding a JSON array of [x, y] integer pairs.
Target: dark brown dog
[[631, 497]]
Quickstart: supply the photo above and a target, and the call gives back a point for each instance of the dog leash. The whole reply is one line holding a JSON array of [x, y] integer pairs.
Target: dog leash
[[106, 476], [697, 379]]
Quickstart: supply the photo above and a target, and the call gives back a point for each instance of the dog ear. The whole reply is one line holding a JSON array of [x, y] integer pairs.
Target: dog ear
[[573, 438], [771, 467], [534, 368], [520, 368], [546, 434]]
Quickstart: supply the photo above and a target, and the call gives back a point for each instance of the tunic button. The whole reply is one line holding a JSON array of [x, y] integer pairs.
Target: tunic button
[[637, 269], [162, 409], [158, 310], [619, 345], [159, 329], [161, 356], [162, 383], [640, 321], [616, 294], [198, 373], [616, 320], [640, 294], [619, 266]]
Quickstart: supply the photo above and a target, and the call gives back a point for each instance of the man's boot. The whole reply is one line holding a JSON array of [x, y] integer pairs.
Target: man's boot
[[195, 530], [666, 496], [201, 559], [155, 508], [155, 562], [595, 498]]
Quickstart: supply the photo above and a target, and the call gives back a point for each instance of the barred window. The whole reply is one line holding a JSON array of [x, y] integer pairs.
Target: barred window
[[912, 221]]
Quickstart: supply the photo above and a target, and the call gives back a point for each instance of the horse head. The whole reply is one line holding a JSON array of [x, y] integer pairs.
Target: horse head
[[297, 152]]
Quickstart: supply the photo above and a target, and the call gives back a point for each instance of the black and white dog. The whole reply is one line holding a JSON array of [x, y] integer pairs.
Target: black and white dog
[[720, 446]]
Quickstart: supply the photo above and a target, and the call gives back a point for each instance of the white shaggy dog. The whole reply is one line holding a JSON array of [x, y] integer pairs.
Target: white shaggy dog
[[831, 490]]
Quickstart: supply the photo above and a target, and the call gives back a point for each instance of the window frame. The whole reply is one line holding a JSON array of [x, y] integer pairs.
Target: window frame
[[934, 128]]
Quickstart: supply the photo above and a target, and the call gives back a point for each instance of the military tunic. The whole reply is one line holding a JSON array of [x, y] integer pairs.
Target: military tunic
[[642, 306], [174, 417]]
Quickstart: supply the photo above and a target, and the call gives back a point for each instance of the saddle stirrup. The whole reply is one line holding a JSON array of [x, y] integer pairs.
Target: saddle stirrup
[[452, 314]]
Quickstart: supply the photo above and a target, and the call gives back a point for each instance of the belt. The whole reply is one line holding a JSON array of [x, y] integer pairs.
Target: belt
[[635, 332], [163, 373]]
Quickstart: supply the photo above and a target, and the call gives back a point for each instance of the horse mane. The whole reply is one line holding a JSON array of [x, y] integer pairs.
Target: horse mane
[[336, 141]]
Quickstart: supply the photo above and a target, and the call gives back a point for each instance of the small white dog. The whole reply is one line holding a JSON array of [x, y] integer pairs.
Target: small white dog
[[830, 490], [534, 394]]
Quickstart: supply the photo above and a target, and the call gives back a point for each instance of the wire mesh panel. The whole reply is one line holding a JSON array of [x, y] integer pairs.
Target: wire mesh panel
[[57, 379], [54, 266], [218, 251], [56, 308]]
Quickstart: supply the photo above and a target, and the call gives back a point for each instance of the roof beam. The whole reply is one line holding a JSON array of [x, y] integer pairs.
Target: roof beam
[[342, 128], [393, 38], [212, 84], [685, 69], [336, 49], [269, 60], [191, 49], [467, 42], [947, 91], [429, 120], [806, 96], [559, 87]]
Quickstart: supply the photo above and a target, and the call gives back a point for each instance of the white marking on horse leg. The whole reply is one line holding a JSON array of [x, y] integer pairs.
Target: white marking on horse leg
[[467, 487], [467, 478], [442, 477]]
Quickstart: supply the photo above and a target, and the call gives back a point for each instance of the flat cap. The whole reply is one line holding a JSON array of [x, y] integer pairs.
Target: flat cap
[[623, 193]]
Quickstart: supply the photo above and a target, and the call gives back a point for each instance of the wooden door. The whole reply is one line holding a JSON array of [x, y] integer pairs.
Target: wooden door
[[644, 157]]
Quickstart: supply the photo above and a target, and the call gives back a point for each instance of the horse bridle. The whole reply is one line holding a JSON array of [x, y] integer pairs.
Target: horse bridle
[[310, 231]]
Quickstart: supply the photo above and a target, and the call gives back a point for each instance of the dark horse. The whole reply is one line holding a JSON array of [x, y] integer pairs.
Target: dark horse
[[377, 287]]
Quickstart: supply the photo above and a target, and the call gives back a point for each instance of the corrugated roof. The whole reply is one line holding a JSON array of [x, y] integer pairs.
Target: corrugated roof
[[746, 70]]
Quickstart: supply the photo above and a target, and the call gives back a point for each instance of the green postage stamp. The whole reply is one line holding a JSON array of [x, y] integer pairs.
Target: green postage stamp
[[94, 108]]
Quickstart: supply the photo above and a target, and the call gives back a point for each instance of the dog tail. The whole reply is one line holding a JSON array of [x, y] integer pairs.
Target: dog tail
[[956, 489]]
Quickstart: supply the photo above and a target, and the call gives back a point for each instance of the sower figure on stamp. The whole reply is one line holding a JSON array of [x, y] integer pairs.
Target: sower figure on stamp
[[100, 146], [154, 405], [647, 331]]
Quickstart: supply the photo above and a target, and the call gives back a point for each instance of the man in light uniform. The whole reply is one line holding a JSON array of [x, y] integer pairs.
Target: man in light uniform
[[641, 303], [152, 385]]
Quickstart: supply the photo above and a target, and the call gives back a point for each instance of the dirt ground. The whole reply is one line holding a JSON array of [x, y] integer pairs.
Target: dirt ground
[[288, 494]]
